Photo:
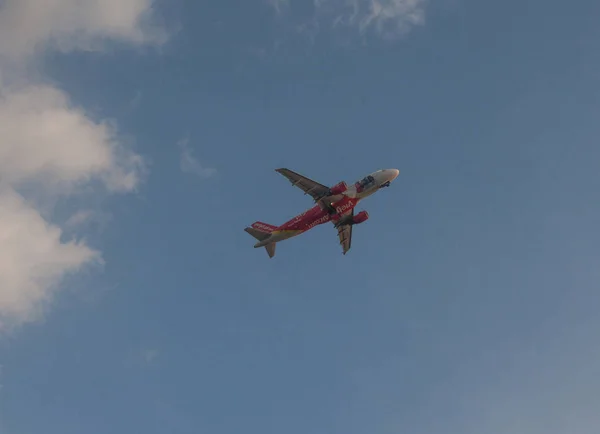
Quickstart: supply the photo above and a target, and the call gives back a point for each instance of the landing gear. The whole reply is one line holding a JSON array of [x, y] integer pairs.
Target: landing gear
[[385, 184]]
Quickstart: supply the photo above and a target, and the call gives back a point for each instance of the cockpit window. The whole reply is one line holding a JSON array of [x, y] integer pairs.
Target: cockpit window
[[365, 183]]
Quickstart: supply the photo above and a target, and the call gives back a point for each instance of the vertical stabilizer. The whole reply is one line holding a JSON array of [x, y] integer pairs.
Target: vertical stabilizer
[[271, 249]]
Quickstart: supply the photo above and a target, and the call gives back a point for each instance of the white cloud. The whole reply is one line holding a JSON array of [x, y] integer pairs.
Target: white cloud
[[50, 145], [43, 136], [389, 19], [27, 26], [189, 163], [33, 259]]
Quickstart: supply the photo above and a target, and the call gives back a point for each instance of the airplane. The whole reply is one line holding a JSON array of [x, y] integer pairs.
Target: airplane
[[333, 204]]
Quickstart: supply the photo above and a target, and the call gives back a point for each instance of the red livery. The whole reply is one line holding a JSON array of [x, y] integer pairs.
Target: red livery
[[339, 188], [332, 204]]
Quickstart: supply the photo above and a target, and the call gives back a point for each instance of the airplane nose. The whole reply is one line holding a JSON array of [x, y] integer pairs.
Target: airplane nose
[[387, 176], [393, 173]]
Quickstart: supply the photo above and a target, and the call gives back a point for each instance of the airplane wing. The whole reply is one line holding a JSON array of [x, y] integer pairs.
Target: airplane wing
[[345, 235], [307, 185]]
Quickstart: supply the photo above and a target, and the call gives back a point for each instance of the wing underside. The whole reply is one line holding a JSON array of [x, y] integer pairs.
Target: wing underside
[[307, 185], [345, 235]]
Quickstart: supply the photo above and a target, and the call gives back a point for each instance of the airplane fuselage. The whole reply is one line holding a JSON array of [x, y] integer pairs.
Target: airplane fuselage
[[336, 207], [310, 218]]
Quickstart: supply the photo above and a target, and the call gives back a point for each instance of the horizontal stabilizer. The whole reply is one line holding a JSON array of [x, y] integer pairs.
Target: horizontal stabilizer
[[259, 235]]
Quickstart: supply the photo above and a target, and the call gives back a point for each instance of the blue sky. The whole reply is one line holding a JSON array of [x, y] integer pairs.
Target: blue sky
[[138, 142]]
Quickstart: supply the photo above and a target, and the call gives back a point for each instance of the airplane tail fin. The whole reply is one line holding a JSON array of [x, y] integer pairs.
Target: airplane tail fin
[[261, 231], [271, 249]]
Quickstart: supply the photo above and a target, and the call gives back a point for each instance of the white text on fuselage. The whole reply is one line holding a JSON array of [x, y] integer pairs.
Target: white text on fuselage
[[318, 221], [262, 227], [345, 207]]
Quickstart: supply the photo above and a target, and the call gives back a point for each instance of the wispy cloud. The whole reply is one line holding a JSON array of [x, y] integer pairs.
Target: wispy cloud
[[142, 357], [279, 5], [79, 218], [190, 164], [85, 217], [388, 19], [52, 145], [150, 355]]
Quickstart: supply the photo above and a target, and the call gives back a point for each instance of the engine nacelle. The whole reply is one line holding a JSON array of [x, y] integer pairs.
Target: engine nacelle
[[361, 217], [338, 188]]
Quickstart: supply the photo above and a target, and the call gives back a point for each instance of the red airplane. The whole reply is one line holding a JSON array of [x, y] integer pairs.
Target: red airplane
[[335, 204]]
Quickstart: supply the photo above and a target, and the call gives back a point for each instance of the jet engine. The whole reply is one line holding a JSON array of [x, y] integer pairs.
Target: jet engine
[[361, 217], [338, 189]]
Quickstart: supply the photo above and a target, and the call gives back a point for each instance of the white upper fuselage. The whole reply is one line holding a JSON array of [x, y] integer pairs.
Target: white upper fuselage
[[371, 183], [363, 189]]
